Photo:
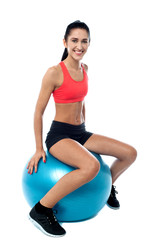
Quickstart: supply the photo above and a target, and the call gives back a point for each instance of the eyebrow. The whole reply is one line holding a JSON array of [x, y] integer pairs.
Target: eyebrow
[[77, 38]]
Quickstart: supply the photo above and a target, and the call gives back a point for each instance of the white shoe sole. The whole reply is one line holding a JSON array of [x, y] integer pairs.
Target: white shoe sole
[[41, 229], [116, 208]]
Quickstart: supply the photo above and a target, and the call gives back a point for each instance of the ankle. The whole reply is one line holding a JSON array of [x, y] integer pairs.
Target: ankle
[[41, 208]]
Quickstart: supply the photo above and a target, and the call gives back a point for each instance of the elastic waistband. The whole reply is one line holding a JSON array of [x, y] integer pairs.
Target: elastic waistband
[[68, 126]]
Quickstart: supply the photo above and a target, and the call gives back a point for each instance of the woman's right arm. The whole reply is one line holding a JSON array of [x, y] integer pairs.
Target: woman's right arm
[[48, 85]]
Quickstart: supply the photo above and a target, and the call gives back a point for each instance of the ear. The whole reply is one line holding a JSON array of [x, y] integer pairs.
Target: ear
[[64, 43]]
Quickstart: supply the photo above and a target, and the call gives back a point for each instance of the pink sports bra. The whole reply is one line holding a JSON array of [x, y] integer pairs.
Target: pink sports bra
[[71, 91]]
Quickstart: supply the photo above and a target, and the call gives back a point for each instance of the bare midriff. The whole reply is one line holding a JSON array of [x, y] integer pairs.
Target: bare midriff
[[71, 113]]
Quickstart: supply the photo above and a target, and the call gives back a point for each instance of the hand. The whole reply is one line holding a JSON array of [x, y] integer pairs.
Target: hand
[[33, 163]]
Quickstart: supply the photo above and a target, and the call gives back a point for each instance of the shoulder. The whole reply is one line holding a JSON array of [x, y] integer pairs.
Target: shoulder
[[85, 67], [51, 75], [53, 71]]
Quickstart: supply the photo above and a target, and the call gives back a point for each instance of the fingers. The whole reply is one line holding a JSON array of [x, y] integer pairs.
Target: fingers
[[35, 166], [44, 157], [30, 167], [33, 163]]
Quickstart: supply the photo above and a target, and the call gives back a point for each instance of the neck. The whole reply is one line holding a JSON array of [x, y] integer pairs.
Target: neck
[[72, 63]]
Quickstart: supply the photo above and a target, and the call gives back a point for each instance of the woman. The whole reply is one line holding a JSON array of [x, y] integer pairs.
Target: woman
[[68, 139]]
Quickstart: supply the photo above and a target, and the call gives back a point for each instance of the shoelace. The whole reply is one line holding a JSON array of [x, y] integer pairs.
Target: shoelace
[[52, 218], [114, 192]]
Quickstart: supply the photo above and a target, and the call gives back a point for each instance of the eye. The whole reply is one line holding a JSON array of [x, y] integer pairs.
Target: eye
[[85, 41], [74, 40]]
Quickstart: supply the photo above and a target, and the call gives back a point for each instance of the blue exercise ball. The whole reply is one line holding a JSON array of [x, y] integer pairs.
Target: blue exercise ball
[[83, 203]]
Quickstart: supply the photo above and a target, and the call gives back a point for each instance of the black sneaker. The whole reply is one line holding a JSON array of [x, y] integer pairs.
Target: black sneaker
[[112, 200], [47, 223]]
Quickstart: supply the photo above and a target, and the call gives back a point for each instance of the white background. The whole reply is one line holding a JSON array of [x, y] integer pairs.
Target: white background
[[122, 103]]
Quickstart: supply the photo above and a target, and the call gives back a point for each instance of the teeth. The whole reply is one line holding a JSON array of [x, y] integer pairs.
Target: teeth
[[79, 52]]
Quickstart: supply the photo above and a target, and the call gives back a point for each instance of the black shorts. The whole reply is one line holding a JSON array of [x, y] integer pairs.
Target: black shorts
[[61, 130]]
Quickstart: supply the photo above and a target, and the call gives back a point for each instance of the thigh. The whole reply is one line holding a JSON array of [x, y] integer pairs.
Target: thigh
[[72, 153], [108, 146]]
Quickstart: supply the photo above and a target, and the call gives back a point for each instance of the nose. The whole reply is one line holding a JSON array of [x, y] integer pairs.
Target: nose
[[79, 45]]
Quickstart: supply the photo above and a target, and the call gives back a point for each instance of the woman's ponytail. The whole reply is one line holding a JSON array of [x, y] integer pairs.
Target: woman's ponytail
[[65, 54]]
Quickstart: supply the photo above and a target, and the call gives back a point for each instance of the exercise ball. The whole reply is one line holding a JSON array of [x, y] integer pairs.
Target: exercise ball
[[83, 203]]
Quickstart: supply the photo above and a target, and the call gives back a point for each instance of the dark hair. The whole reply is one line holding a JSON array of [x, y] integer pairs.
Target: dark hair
[[76, 24]]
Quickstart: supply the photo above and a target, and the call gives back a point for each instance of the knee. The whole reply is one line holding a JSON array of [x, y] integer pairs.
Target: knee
[[132, 154], [91, 170], [95, 167]]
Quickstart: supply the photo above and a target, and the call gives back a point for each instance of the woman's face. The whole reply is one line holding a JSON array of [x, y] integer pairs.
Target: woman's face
[[77, 43]]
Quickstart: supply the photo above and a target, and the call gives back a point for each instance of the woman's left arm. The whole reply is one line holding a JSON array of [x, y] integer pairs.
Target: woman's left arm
[[84, 111]]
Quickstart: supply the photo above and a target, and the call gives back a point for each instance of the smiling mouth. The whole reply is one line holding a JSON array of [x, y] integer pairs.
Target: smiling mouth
[[78, 52]]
